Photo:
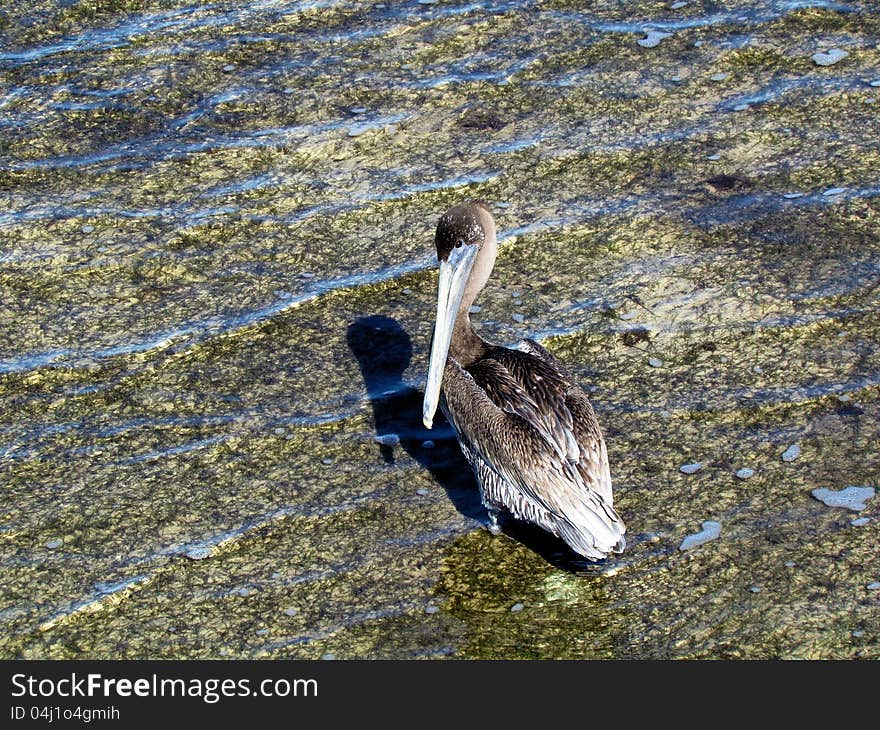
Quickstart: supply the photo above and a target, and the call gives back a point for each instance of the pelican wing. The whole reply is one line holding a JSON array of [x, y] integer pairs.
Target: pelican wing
[[522, 431], [592, 458]]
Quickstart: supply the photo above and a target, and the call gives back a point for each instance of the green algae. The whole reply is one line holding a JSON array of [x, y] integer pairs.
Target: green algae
[[193, 457]]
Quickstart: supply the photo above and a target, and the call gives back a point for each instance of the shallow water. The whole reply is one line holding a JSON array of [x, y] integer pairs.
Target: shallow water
[[217, 289]]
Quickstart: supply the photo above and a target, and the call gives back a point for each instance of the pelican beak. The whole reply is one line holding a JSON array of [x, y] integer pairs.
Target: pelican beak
[[454, 273]]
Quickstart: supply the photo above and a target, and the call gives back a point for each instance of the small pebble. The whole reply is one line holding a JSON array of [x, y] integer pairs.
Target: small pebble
[[307, 275], [860, 521], [844, 398], [431, 609], [291, 611], [691, 468], [406, 291], [358, 110], [327, 461], [52, 544], [655, 362], [229, 67], [875, 83], [279, 432], [875, 586], [791, 453], [677, 6], [741, 107], [675, 78], [744, 473], [87, 229], [275, 576], [388, 439], [652, 39], [714, 157], [858, 633], [792, 196], [757, 369], [428, 444], [854, 498], [829, 58], [698, 44], [516, 294], [834, 191], [711, 530], [422, 492], [198, 553], [474, 308], [518, 317], [629, 315], [328, 657], [262, 632], [516, 607], [719, 77], [755, 589], [790, 563]]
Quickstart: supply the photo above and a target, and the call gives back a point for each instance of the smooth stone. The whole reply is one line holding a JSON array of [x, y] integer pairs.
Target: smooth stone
[[858, 633], [229, 67], [757, 369], [328, 657], [719, 77], [655, 362], [741, 107], [790, 563], [875, 586], [518, 318], [262, 632], [52, 544], [711, 530], [652, 39], [387, 439], [474, 308], [327, 461], [834, 191], [691, 468], [875, 83], [829, 58], [628, 315], [744, 473], [713, 157], [791, 453], [516, 607], [792, 196], [291, 611], [87, 229], [853, 498], [422, 492], [860, 521], [755, 589], [677, 6], [431, 609]]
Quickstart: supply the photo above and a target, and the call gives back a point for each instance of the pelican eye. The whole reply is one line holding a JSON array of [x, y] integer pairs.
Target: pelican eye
[[458, 243]]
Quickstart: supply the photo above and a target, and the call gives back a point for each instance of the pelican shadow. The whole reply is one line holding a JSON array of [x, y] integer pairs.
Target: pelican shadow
[[383, 350]]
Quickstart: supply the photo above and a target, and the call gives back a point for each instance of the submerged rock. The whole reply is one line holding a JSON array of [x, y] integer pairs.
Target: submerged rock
[[711, 530], [829, 58], [853, 498], [652, 39]]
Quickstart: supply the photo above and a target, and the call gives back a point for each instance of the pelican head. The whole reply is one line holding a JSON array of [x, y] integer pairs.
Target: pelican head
[[466, 249]]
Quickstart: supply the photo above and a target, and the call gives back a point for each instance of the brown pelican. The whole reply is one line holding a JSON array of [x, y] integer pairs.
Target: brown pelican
[[524, 425]]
